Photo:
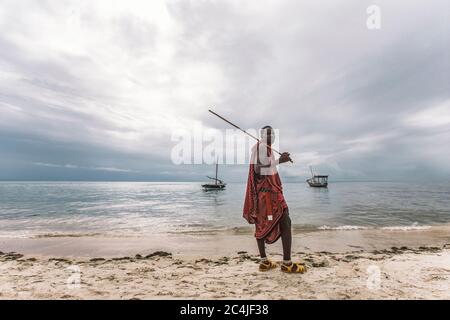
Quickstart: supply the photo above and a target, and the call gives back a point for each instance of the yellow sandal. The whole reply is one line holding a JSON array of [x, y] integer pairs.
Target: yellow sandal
[[267, 265], [293, 268]]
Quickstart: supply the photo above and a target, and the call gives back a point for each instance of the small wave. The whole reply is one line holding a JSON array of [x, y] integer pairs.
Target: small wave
[[414, 226], [406, 228], [65, 235], [14, 236], [344, 228], [196, 232]]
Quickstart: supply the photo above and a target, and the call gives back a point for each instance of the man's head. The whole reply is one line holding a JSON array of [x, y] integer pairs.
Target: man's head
[[267, 135]]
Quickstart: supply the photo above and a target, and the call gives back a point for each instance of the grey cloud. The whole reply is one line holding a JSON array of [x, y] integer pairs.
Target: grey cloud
[[340, 93]]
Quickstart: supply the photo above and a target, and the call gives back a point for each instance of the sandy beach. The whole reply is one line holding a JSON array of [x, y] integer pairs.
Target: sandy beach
[[144, 145], [352, 264]]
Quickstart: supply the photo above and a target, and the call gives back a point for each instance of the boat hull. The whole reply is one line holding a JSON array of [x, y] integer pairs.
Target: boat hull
[[213, 186], [317, 184]]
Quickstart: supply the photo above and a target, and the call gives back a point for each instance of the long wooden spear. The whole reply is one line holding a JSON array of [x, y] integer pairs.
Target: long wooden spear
[[229, 122]]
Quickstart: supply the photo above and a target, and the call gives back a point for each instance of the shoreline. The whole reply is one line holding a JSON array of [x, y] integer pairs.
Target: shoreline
[[219, 243]]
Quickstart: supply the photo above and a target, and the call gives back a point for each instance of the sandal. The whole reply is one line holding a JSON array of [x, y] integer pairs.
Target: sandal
[[293, 268], [267, 265]]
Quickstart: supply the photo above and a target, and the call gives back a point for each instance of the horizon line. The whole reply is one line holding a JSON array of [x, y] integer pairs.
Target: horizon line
[[233, 181]]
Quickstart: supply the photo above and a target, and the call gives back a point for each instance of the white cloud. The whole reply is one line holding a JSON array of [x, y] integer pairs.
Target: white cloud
[[117, 77], [437, 116]]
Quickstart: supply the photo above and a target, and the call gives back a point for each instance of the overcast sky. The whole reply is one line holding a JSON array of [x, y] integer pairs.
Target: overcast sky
[[94, 89]]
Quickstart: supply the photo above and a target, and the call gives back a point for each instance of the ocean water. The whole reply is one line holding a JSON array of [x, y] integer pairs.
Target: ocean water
[[30, 209]]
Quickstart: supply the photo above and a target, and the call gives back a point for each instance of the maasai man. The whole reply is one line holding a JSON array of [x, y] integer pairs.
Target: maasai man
[[265, 206]]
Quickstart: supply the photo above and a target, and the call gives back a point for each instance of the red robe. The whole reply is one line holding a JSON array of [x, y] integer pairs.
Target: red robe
[[262, 208]]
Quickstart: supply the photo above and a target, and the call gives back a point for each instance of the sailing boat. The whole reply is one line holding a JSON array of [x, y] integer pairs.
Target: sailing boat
[[317, 181], [217, 185]]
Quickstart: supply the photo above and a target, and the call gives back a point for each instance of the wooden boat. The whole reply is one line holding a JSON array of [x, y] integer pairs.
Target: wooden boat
[[317, 181], [217, 185]]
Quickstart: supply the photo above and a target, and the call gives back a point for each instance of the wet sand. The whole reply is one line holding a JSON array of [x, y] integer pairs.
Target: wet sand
[[219, 243]]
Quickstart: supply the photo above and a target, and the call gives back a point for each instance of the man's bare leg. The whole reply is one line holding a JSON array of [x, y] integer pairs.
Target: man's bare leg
[[262, 248], [286, 236], [286, 239], [265, 264]]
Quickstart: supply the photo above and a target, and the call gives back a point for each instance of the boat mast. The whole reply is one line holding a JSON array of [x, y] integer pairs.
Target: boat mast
[[217, 165]]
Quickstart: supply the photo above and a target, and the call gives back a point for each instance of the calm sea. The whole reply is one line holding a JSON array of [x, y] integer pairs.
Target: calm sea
[[136, 208]]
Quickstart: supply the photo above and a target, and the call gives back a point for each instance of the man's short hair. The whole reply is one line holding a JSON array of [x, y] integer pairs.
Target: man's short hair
[[262, 131]]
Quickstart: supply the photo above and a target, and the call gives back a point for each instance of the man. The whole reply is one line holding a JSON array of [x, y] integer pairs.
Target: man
[[265, 206]]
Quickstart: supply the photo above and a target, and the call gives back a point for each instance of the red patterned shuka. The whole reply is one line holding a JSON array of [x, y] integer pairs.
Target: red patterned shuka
[[264, 203]]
